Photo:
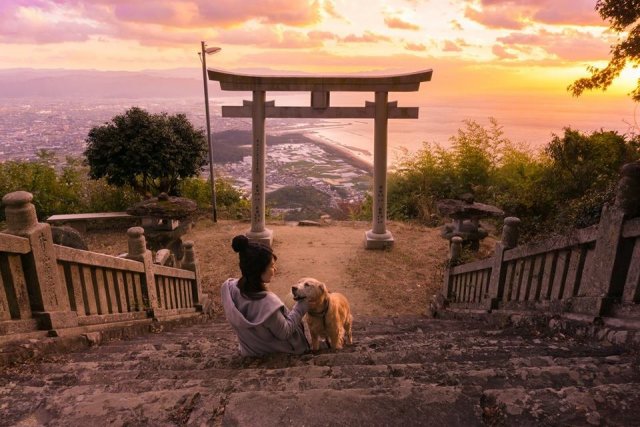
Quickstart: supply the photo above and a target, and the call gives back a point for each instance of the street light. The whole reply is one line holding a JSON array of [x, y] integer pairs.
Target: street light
[[203, 59]]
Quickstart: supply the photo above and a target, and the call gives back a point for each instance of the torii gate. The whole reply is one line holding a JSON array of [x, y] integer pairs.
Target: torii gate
[[320, 87]]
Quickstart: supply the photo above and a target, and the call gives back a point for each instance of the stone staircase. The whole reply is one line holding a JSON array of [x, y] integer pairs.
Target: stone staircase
[[400, 371]]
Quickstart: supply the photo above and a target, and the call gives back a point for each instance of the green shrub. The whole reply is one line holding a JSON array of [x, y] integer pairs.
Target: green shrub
[[230, 202], [64, 192], [563, 186]]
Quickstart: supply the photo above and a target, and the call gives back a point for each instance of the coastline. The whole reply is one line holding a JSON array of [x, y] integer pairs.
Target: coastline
[[333, 148]]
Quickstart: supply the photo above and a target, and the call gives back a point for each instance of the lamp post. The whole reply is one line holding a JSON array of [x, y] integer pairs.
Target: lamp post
[[203, 59]]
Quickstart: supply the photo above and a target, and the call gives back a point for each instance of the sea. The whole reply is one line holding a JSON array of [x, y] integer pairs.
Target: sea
[[531, 121]]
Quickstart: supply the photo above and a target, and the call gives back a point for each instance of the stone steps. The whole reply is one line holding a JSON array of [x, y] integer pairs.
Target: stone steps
[[408, 371], [566, 405], [409, 406]]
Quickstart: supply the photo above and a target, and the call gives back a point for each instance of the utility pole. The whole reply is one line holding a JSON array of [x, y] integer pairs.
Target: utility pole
[[203, 59]]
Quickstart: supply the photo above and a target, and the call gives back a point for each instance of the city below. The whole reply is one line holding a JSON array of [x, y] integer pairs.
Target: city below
[[60, 127]]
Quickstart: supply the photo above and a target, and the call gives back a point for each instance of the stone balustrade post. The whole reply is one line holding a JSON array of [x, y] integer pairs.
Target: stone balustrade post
[[628, 190], [455, 252], [510, 232], [602, 284], [190, 263], [138, 252], [47, 291], [509, 240], [455, 249]]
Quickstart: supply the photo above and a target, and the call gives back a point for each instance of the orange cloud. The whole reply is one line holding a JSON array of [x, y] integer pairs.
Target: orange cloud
[[451, 46], [367, 37], [321, 35], [495, 17], [416, 47], [330, 9], [501, 52], [398, 23]]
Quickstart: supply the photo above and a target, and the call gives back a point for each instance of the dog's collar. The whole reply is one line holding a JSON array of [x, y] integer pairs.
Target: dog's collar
[[322, 313]]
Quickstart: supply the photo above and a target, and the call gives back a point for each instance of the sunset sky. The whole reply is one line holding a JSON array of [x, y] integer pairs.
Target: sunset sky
[[474, 46]]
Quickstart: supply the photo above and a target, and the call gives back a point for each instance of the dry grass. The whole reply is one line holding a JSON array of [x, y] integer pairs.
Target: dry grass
[[389, 282]]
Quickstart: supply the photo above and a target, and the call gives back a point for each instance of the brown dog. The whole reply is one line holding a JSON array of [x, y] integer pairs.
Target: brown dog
[[329, 315]]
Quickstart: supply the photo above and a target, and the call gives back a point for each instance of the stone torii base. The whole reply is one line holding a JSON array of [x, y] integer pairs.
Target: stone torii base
[[320, 88]]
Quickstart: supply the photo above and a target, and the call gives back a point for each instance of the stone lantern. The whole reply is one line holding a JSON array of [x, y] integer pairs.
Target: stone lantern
[[165, 220], [466, 215]]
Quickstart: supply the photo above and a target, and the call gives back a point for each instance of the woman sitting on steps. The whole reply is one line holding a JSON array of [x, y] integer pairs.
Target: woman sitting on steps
[[259, 318]]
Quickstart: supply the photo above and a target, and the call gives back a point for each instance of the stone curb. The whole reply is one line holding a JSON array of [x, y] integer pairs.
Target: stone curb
[[618, 332], [33, 349]]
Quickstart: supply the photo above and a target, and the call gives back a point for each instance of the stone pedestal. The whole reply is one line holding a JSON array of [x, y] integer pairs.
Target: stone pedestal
[[264, 237], [378, 240]]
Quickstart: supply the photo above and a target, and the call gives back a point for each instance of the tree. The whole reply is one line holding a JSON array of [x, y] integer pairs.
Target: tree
[[150, 152], [623, 17]]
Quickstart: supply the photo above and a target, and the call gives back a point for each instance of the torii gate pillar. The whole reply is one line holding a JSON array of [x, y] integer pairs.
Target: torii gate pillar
[[320, 88], [379, 237], [258, 232]]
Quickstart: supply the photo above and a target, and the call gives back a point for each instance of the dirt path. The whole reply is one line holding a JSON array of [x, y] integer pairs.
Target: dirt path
[[390, 282]]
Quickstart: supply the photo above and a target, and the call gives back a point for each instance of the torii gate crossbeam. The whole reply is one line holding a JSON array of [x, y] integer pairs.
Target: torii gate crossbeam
[[320, 88]]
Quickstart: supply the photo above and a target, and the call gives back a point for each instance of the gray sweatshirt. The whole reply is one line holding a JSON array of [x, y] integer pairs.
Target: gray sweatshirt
[[264, 326]]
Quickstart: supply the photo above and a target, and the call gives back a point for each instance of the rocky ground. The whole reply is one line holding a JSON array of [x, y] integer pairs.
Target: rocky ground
[[405, 370]]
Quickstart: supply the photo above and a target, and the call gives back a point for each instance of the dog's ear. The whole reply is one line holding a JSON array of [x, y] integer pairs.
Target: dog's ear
[[323, 288]]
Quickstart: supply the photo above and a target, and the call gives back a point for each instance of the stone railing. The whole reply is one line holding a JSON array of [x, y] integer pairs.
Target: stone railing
[[44, 286], [593, 271]]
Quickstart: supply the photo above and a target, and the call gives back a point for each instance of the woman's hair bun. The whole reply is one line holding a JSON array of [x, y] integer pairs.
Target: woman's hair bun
[[240, 243]]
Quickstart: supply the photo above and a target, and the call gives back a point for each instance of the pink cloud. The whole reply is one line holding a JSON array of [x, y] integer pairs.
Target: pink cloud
[[516, 14], [19, 27], [367, 37], [416, 47], [150, 22], [159, 12], [499, 17], [501, 52], [451, 46], [289, 12], [569, 45], [398, 23], [321, 35], [267, 37]]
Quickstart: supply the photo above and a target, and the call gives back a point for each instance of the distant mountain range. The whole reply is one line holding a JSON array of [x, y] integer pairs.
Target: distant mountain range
[[94, 84]]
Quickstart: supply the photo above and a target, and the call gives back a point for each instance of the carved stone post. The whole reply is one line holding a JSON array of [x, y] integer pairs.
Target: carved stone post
[[47, 291], [600, 278], [456, 249], [454, 257], [190, 263], [138, 252], [510, 232], [628, 190]]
